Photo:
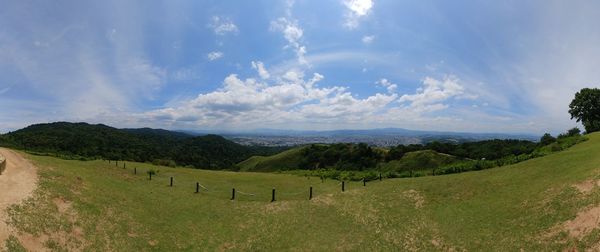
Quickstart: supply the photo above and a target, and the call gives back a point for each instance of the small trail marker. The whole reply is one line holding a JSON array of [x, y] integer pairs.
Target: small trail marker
[[343, 186], [310, 193], [171, 184], [232, 193], [197, 187]]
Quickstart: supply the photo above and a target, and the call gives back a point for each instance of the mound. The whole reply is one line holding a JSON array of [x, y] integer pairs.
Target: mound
[[419, 160], [287, 160]]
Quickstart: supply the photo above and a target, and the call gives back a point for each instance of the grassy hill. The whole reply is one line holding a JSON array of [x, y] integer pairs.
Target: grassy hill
[[287, 160], [419, 160], [543, 204]]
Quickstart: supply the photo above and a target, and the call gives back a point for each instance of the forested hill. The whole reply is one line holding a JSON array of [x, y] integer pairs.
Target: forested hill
[[143, 145]]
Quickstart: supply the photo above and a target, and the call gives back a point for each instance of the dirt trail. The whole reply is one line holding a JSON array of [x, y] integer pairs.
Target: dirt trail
[[17, 183]]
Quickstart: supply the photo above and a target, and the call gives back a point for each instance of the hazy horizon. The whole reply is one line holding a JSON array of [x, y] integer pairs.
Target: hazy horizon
[[493, 67]]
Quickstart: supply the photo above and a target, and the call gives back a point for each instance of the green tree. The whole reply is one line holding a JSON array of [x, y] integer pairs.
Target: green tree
[[547, 139], [585, 107]]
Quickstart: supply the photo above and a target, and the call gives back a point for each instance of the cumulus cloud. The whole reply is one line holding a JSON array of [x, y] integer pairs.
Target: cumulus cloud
[[222, 26], [434, 93], [260, 68], [293, 34], [214, 55], [356, 10], [368, 39], [391, 87]]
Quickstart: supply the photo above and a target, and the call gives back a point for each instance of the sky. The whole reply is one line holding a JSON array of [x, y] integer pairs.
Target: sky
[[468, 66]]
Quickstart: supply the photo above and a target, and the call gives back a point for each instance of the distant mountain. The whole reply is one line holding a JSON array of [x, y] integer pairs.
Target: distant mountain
[[143, 145]]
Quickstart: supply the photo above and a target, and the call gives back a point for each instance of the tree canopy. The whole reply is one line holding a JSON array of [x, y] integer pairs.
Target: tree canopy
[[585, 107]]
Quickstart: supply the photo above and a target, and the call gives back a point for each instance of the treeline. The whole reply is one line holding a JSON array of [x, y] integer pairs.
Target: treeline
[[86, 141], [362, 157], [471, 156]]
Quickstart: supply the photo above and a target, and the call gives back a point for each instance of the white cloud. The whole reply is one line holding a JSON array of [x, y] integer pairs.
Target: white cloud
[[368, 39], [260, 68], [214, 55], [391, 87], [357, 9], [293, 34], [222, 26], [434, 92]]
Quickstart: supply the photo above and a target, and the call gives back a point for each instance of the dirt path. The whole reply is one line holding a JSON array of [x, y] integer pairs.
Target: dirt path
[[17, 183]]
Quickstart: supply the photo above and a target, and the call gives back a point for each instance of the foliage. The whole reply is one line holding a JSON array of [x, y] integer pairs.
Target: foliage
[[547, 139], [85, 141], [341, 156], [585, 107]]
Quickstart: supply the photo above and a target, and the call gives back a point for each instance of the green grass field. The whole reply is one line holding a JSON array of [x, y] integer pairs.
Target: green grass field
[[287, 160], [98, 206]]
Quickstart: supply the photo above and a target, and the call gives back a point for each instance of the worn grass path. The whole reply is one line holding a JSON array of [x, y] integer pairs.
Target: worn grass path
[[17, 183]]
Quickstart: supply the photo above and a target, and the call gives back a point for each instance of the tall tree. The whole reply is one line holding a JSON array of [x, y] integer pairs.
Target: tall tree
[[585, 107]]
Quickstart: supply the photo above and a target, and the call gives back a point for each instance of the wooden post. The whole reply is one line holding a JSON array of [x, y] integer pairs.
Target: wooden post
[[134, 170], [233, 194], [310, 193], [123, 165], [380, 177], [150, 175], [364, 182], [273, 195], [197, 187], [117, 163], [171, 182], [343, 186]]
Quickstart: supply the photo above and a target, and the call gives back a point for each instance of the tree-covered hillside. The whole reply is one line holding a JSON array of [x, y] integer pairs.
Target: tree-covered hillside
[[143, 145]]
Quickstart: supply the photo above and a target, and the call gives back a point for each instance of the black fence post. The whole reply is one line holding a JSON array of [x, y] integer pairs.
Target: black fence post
[[123, 165], [380, 177], [232, 193], [150, 175], [134, 170], [117, 163], [197, 187], [310, 193], [171, 182], [343, 186], [273, 195], [364, 182]]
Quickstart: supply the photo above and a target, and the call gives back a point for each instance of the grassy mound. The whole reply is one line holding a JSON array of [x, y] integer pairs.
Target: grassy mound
[[419, 160], [542, 204], [287, 160]]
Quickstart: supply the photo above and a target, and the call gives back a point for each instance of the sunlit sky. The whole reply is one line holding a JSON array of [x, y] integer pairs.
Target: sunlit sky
[[470, 66]]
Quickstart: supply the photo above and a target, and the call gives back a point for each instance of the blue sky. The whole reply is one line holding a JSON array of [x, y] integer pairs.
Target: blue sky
[[478, 66]]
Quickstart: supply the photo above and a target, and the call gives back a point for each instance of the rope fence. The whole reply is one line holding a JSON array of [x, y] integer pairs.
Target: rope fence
[[204, 188]]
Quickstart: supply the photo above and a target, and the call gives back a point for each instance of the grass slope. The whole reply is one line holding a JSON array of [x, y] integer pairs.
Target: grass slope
[[510, 208], [419, 160], [287, 160]]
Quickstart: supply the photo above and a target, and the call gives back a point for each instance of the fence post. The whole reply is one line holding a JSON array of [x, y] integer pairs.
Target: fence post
[[364, 182], [197, 187], [117, 163], [150, 175], [123, 165], [233, 194], [171, 182], [310, 193], [343, 186], [134, 170], [380, 177], [273, 195]]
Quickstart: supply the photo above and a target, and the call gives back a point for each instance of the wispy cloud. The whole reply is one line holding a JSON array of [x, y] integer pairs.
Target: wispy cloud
[[356, 10], [212, 56], [223, 26]]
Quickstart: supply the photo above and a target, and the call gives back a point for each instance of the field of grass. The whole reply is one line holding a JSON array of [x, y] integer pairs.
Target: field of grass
[[98, 206], [419, 160], [287, 160]]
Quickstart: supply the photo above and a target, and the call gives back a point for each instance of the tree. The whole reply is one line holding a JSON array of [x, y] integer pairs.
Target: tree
[[585, 107], [574, 132], [547, 139]]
